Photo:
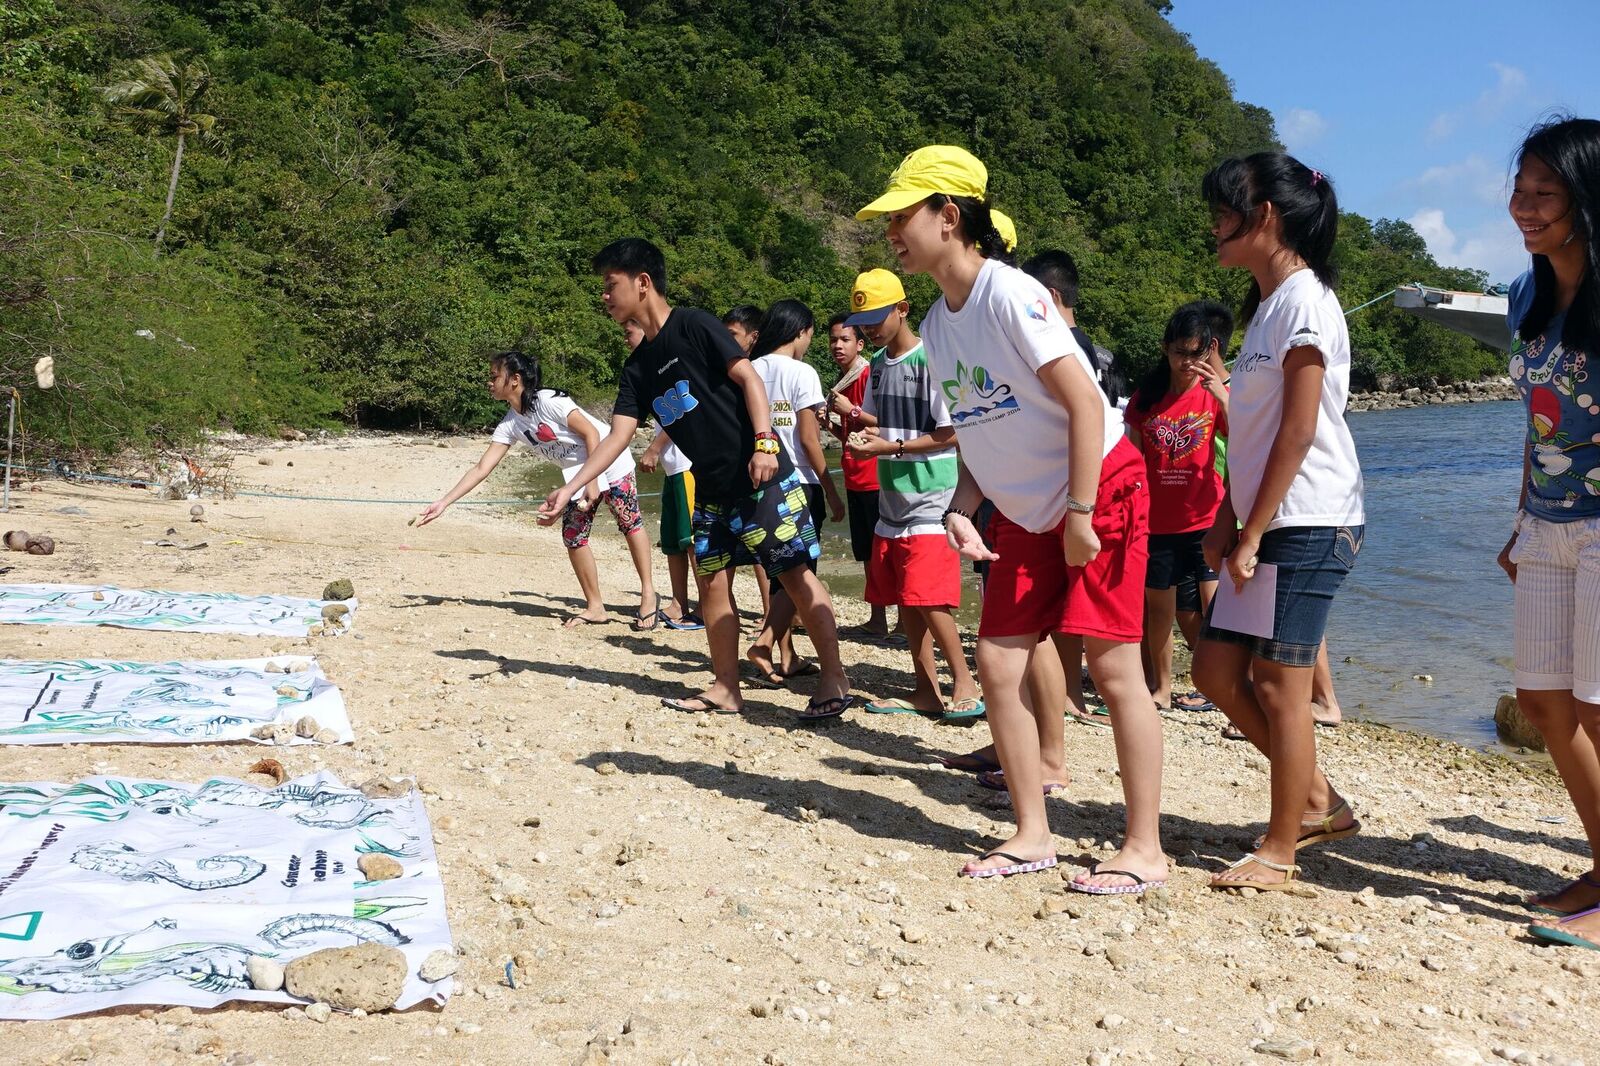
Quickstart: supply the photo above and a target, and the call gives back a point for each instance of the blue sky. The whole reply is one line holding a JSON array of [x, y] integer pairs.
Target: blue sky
[[1414, 109]]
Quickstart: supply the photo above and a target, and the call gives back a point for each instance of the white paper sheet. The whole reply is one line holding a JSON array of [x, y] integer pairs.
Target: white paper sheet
[[1250, 610]]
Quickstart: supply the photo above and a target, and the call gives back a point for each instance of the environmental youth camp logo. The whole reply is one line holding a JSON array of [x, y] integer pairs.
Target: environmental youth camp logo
[[976, 397]]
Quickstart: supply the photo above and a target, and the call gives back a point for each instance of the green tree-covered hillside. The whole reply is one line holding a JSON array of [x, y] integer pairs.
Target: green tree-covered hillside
[[391, 189]]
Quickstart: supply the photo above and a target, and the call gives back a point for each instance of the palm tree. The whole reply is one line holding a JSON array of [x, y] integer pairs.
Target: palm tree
[[159, 95]]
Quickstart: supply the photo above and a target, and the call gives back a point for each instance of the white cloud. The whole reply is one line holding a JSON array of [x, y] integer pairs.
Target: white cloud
[[1494, 246], [1300, 127], [1510, 87], [1475, 175]]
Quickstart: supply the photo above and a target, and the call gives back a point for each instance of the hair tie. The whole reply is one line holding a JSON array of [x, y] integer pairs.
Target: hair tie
[[1316, 176]]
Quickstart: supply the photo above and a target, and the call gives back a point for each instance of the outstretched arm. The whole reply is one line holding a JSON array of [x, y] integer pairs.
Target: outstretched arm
[[469, 481]]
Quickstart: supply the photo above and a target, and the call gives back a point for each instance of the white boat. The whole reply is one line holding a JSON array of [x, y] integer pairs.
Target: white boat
[[1480, 315]]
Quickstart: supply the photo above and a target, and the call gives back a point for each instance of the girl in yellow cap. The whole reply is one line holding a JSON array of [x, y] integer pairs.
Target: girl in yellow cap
[[1040, 441]]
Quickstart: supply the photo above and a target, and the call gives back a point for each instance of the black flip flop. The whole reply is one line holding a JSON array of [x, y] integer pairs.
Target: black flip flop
[[973, 764], [830, 708]]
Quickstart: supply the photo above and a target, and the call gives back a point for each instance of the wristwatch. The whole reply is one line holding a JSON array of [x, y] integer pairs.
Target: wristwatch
[[855, 413], [1079, 508], [767, 443]]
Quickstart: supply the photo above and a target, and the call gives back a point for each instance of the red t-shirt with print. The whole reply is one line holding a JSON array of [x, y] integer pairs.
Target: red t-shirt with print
[[860, 475], [1178, 435]]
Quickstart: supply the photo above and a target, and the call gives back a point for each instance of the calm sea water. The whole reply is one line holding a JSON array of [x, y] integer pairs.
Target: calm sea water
[[1425, 597]]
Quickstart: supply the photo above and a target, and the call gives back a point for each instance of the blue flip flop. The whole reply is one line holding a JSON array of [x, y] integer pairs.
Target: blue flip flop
[[895, 705], [1561, 936]]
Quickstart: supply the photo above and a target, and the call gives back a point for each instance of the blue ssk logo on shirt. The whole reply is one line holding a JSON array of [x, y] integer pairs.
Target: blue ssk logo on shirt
[[674, 404]]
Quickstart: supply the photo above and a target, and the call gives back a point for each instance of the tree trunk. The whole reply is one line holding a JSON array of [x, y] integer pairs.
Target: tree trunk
[[172, 192]]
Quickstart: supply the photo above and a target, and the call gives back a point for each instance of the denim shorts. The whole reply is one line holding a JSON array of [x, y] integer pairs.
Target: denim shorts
[[1312, 563]]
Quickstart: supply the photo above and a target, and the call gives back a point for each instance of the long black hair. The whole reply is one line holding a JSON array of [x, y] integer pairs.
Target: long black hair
[[1304, 201], [1191, 322], [1570, 147], [784, 321], [977, 224], [520, 364]]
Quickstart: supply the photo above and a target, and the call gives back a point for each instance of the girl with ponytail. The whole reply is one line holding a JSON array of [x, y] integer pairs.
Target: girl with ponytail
[[554, 427], [1292, 517], [1040, 441]]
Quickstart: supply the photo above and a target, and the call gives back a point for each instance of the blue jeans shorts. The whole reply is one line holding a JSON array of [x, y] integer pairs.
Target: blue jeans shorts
[[1312, 563]]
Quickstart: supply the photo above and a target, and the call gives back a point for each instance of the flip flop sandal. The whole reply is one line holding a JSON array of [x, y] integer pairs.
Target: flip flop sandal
[[705, 705], [1290, 872], [1561, 936], [646, 622], [894, 706], [1192, 701], [1019, 865], [995, 781], [973, 764], [688, 623], [753, 674], [1092, 720], [1233, 732], [805, 668], [1002, 800], [828, 709], [578, 621], [1139, 887], [964, 710], [1533, 904], [1322, 831]]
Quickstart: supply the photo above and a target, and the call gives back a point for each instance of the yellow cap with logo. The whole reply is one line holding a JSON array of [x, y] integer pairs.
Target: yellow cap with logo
[[874, 295], [935, 168], [1005, 227]]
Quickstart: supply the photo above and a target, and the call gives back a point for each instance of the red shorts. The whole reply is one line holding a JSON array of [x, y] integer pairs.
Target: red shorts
[[916, 571], [1032, 590]]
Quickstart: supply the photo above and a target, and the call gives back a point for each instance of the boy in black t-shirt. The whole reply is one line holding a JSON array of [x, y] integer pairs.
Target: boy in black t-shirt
[[750, 505]]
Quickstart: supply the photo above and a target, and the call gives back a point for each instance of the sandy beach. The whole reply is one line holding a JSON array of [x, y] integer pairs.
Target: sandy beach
[[673, 888]]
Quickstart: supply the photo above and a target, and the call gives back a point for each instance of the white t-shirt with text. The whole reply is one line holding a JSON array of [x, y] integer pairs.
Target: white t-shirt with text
[[1326, 491], [1012, 431], [792, 386], [544, 430]]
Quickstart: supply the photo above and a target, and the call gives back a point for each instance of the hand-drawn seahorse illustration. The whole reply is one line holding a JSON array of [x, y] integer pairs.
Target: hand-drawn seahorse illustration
[[120, 860], [104, 964]]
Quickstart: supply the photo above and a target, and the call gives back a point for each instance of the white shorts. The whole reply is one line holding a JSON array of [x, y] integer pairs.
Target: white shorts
[[1558, 606]]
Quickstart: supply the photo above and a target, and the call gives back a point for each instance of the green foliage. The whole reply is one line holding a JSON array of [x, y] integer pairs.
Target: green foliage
[[407, 186]]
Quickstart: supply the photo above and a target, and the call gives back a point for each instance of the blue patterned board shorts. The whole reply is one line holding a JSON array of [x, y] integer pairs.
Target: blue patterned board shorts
[[771, 526]]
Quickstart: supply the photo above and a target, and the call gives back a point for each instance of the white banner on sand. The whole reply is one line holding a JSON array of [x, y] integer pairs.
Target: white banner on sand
[[188, 612], [86, 701], [116, 891]]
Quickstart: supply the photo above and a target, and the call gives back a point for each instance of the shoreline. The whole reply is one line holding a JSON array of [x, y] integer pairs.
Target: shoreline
[[1484, 391], [675, 888]]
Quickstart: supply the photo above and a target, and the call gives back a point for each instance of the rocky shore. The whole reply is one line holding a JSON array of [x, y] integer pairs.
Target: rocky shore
[[1460, 392], [628, 885]]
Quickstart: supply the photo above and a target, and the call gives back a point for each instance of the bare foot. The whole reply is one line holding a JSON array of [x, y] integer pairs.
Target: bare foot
[[1324, 715], [760, 657], [1110, 873], [1580, 895], [1585, 926]]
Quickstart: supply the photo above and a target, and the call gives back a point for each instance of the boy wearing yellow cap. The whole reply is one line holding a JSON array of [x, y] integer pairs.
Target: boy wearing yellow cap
[[1039, 440], [905, 424]]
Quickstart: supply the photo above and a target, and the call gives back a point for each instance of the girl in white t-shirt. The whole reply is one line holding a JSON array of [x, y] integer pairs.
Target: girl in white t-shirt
[[1040, 441], [1293, 507], [553, 426], [794, 394]]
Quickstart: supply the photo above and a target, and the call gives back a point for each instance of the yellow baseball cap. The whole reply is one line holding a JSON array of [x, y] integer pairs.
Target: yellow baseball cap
[[874, 295], [935, 168], [1006, 228]]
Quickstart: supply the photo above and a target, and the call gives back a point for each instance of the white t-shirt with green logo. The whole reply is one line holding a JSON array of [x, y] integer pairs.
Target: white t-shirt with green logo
[[1012, 431]]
